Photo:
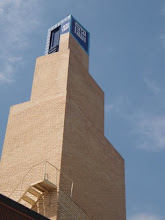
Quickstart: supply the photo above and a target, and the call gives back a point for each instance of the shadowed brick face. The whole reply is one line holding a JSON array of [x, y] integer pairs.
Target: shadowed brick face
[[63, 123]]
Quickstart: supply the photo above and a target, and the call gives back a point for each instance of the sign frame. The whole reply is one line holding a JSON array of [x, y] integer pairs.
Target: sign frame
[[78, 32]]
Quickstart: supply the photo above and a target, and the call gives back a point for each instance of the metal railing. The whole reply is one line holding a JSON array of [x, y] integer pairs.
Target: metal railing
[[39, 172]]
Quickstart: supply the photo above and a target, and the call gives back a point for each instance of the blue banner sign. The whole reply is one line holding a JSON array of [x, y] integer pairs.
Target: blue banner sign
[[65, 26], [69, 24], [80, 34]]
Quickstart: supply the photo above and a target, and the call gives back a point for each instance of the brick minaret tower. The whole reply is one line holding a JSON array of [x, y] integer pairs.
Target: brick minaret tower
[[55, 158]]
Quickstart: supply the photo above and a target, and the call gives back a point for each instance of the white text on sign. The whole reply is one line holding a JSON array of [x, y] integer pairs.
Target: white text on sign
[[80, 32]]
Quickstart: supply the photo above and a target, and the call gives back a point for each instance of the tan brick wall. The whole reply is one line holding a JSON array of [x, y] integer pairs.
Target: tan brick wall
[[50, 77], [62, 208], [34, 134], [95, 167], [64, 124], [79, 53], [85, 93], [69, 210], [35, 128]]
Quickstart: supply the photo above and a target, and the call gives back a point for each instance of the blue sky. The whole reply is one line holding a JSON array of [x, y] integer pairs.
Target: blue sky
[[127, 53]]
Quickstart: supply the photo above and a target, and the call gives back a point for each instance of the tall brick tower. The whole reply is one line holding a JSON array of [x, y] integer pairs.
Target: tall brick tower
[[55, 158]]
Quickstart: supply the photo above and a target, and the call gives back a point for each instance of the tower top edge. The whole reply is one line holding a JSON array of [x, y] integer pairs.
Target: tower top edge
[[68, 25], [67, 18]]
